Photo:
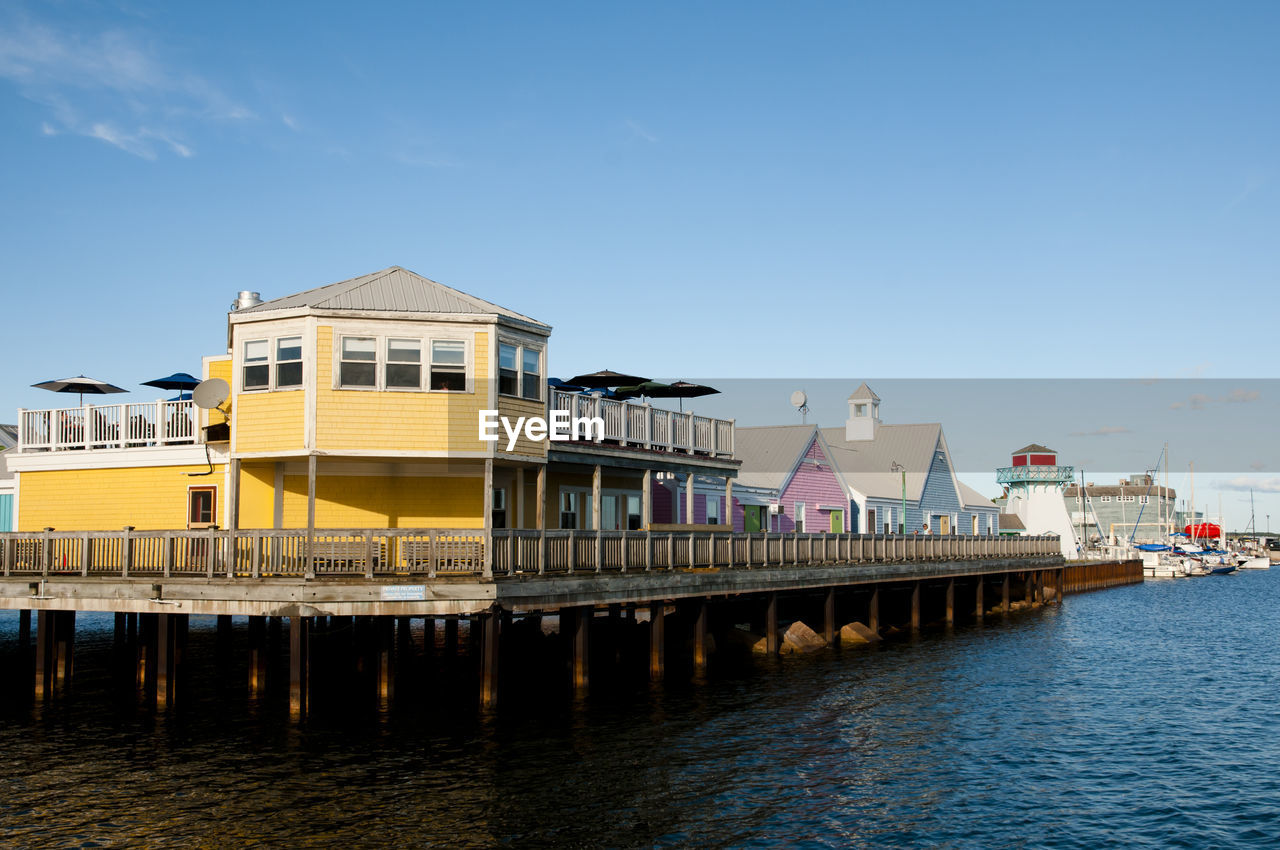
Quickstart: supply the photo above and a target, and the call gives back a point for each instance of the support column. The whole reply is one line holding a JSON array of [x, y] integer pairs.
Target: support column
[[384, 634], [146, 670], [64, 662], [1004, 595], [486, 558], [1058, 580], [257, 656], [829, 617], [915, 606], [1029, 588], [657, 641], [979, 606], [873, 609], [951, 602], [311, 515], [688, 500], [299, 666], [44, 653], [700, 639], [727, 519], [166, 664], [646, 500], [771, 624], [233, 497], [541, 508], [581, 637], [519, 497], [595, 500], [490, 631]]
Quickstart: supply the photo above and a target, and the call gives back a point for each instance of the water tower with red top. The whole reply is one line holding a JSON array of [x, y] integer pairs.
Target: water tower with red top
[[1035, 483]]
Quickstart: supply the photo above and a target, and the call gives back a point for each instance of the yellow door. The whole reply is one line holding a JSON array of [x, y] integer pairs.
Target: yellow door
[[944, 524]]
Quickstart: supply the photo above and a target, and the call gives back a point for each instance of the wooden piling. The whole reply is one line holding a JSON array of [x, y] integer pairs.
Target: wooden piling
[[915, 606], [299, 666], [873, 609], [829, 617], [44, 654], [979, 603], [257, 656], [491, 629], [1004, 595], [580, 620], [166, 660], [951, 602], [771, 635], [700, 639], [657, 641]]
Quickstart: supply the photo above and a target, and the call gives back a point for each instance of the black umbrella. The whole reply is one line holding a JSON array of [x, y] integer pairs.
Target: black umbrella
[[180, 381], [80, 384], [606, 378], [647, 388], [683, 390]]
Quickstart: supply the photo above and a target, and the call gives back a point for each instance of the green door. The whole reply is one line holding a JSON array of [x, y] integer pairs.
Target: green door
[[837, 522], [751, 518]]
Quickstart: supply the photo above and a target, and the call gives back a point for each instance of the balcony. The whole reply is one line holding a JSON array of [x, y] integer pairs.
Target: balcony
[[1035, 474], [647, 427], [108, 426]]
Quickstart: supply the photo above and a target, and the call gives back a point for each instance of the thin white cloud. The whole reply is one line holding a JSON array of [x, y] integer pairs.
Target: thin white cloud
[[1259, 485], [1201, 401], [1104, 431], [290, 122], [110, 86], [641, 132]]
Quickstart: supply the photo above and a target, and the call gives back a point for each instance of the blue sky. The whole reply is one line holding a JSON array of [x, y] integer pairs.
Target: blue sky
[[844, 190]]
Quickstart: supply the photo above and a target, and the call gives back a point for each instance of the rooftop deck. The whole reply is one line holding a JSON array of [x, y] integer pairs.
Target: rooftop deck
[[645, 426], [108, 426]]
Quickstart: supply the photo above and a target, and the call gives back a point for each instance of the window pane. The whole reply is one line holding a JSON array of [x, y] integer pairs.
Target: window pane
[[289, 348], [357, 374], [532, 386], [255, 377], [256, 350], [288, 374], [448, 379], [531, 360], [359, 348], [404, 351], [506, 356], [507, 381], [404, 375], [449, 352]]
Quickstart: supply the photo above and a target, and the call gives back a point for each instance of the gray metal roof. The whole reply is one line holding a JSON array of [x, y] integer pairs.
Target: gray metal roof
[[769, 454], [1011, 522], [1034, 447], [971, 498], [866, 464], [391, 290], [8, 436], [863, 393]]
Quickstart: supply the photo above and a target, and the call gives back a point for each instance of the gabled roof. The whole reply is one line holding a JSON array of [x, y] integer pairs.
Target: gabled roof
[[393, 289], [1012, 522], [971, 498], [769, 454], [865, 464], [1034, 447], [863, 393]]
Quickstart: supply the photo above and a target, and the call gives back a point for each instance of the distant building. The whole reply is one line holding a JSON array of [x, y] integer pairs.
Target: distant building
[[1138, 507], [1034, 503]]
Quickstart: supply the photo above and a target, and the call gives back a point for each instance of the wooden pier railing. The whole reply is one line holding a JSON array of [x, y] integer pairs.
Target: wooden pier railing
[[377, 553]]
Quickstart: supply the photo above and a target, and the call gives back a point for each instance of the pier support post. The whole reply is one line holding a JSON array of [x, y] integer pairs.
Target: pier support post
[[384, 633], [979, 603], [873, 609], [1004, 595], [829, 617], [299, 666], [771, 624], [146, 670], [257, 656], [44, 653], [951, 602], [65, 633], [915, 606], [1029, 588], [580, 635], [657, 641], [1058, 581], [490, 632], [700, 639], [166, 659]]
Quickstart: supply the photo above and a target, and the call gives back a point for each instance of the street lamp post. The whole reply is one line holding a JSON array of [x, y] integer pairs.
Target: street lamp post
[[902, 518]]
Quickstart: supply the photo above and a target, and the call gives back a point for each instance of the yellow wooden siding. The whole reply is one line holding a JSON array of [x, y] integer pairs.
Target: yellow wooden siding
[[220, 368], [270, 422], [109, 499], [257, 495], [513, 409], [364, 420]]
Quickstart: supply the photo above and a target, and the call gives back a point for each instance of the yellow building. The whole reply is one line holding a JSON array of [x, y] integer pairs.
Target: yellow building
[[359, 405]]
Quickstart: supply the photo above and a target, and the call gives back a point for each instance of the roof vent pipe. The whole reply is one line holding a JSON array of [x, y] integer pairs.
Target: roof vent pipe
[[246, 299]]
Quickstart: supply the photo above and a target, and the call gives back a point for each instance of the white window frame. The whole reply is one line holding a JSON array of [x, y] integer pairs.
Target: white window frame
[[799, 519], [585, 518], [387, 362], [382, 339], [709, 501], [521, 346], [272, 360]]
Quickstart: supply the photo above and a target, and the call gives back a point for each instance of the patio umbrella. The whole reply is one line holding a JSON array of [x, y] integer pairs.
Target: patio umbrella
[[683, 390], [557, 384], [80, 384], [606, 378], [647, 388], [180, 381]]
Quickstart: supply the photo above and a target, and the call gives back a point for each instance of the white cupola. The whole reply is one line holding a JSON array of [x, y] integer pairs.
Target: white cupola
[[864, 415]]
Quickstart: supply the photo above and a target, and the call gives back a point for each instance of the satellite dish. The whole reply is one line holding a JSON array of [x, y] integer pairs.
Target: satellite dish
[[799, 399], [211, 393]]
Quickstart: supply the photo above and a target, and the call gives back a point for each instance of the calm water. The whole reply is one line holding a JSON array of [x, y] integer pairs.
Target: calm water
[[1142, 716]]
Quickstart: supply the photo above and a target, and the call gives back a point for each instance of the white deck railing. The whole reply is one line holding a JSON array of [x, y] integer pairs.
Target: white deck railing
[[435, 553], [108, 426], [645, 426]]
